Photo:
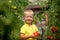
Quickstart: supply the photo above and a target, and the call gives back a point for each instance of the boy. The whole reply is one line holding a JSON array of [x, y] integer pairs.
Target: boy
[[29, 31]]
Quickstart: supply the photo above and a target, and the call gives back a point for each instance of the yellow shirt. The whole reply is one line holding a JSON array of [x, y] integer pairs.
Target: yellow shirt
[[28, 30]]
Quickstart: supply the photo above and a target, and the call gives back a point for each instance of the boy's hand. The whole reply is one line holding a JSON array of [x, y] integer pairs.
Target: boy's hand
[[35, 35]]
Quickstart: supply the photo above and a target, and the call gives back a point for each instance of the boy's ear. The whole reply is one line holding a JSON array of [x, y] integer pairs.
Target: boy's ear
[[23, 18]]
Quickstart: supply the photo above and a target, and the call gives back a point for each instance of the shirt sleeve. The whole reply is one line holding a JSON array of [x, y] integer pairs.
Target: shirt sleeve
[[22, 30], [36, 29]]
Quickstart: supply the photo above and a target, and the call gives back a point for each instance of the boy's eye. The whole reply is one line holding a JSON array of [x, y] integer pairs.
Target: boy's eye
[[30, 16]]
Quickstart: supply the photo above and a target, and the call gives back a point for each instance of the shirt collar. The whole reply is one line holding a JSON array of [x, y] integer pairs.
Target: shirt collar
[[27, 24]]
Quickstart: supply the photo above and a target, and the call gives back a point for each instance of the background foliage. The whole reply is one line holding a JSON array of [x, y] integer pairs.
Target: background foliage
[[11, 12]]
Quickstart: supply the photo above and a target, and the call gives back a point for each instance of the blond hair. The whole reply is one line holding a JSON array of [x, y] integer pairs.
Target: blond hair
[[28, 12]]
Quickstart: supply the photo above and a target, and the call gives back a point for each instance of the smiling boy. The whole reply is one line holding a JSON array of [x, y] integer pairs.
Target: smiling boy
[[29, 31]]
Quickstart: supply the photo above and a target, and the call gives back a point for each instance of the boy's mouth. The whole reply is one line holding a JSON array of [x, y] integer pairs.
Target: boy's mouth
[[29, 20]]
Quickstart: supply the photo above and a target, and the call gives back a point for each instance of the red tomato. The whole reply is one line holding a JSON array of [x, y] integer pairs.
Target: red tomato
[[36, 34]]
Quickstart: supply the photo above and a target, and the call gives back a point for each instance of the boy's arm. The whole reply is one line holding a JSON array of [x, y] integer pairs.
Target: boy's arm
[[23, 36]]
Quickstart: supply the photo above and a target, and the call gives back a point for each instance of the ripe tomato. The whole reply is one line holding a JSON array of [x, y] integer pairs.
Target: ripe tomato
[[36, 34]]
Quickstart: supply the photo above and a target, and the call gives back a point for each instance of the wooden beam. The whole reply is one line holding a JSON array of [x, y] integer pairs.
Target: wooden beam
[[34, 7]]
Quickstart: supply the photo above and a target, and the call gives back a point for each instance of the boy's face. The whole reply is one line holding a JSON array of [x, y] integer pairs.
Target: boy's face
[[28, 17]]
